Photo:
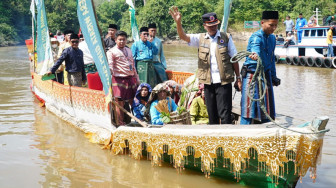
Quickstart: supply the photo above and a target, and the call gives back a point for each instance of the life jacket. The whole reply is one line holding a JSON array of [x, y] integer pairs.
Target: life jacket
[[222, 56]]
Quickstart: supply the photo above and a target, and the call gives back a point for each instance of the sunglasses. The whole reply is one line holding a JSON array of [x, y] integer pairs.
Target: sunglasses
[[74, 41]]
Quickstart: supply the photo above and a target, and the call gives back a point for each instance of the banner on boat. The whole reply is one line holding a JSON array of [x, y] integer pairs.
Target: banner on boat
[[251, 24], [134, 25], [44, 54], [89, 28]]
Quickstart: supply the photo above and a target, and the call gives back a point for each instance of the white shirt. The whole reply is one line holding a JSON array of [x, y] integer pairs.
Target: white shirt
[[194, 41], [87, 57]]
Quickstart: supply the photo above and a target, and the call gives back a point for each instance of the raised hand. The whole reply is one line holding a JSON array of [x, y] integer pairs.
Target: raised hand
[[175, 14]]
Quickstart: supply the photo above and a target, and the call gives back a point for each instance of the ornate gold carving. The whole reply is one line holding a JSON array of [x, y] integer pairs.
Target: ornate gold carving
[[273, 151]]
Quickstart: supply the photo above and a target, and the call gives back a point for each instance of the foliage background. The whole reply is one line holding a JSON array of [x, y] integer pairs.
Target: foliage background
[[15, 17]]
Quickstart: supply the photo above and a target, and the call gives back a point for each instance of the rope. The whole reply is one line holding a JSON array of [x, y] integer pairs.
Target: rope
[[260, 79]]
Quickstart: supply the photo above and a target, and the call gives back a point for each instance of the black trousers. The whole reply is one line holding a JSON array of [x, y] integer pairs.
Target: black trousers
[[218, 99]]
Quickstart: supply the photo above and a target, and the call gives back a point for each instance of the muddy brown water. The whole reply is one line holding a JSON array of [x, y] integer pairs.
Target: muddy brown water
[[37, 149]]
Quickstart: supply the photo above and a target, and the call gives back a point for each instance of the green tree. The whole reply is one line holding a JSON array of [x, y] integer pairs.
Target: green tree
[[62, 15], [156, 11]]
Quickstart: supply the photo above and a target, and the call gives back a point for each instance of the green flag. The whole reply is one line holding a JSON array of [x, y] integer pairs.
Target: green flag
[[89, 28]]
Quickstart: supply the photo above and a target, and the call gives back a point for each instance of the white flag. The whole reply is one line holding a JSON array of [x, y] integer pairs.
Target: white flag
[[130, 3], [32, 8]]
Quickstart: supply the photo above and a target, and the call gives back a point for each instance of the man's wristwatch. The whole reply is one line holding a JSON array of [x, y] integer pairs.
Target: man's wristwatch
[[238, 78]]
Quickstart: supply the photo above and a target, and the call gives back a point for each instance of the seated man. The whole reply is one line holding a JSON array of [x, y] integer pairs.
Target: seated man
[[124, 76], [140, 100], [198, 109], [143, 51], [160, 103], [329, 20], [290, 40], [280, 40], [74, 63]]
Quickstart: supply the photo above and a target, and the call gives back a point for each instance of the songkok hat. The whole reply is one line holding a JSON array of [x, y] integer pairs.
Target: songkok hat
[[151, 25], [210, 19], [74, 36], [113, 26], [68, 32], [144, 29], [270, 15]]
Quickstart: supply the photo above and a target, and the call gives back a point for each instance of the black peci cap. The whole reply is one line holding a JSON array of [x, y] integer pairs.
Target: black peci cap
[[270, 15], [68, 32], [113, 26], [74, 36], [210, 19], [144, 29], [151, 25]]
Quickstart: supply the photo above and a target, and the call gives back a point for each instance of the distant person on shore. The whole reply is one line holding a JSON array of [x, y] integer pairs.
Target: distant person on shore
[[110, 37], [300, 22], [156, 42], [125, 79], [74, 63], [330, 41], [289, 25], [215, 70], [262, 45]]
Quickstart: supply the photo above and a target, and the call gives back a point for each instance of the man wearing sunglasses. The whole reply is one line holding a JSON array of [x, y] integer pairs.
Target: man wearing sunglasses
[[143, 52], [74, 63]]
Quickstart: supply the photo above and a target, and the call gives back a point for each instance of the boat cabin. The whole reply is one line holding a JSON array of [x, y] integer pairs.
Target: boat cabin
[[313, 43]]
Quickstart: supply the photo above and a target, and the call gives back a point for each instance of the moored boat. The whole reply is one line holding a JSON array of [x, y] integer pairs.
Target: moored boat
[[312, 51]]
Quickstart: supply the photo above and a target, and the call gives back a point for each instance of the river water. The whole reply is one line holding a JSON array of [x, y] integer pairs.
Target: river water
[[37, 149]]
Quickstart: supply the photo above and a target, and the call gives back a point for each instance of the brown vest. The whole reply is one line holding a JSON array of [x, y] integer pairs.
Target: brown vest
[[223, 60]]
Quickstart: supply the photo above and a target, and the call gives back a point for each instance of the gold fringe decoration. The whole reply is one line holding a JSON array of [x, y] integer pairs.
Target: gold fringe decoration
[[273, 151]]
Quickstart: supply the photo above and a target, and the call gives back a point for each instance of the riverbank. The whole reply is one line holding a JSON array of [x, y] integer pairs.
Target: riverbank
[[5, 43]]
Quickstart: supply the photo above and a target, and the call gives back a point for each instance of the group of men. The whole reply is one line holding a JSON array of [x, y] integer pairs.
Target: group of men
[[301, 22], [290, 27], [215, 71]]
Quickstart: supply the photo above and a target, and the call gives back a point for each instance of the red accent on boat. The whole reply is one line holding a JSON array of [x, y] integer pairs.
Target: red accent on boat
[[94, 81]]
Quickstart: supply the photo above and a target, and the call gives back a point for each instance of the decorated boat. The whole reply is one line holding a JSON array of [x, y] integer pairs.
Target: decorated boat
[[256, 155], [312, 51]]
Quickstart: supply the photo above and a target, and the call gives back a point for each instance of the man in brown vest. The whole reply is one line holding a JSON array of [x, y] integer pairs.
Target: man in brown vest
[[215, 71]]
